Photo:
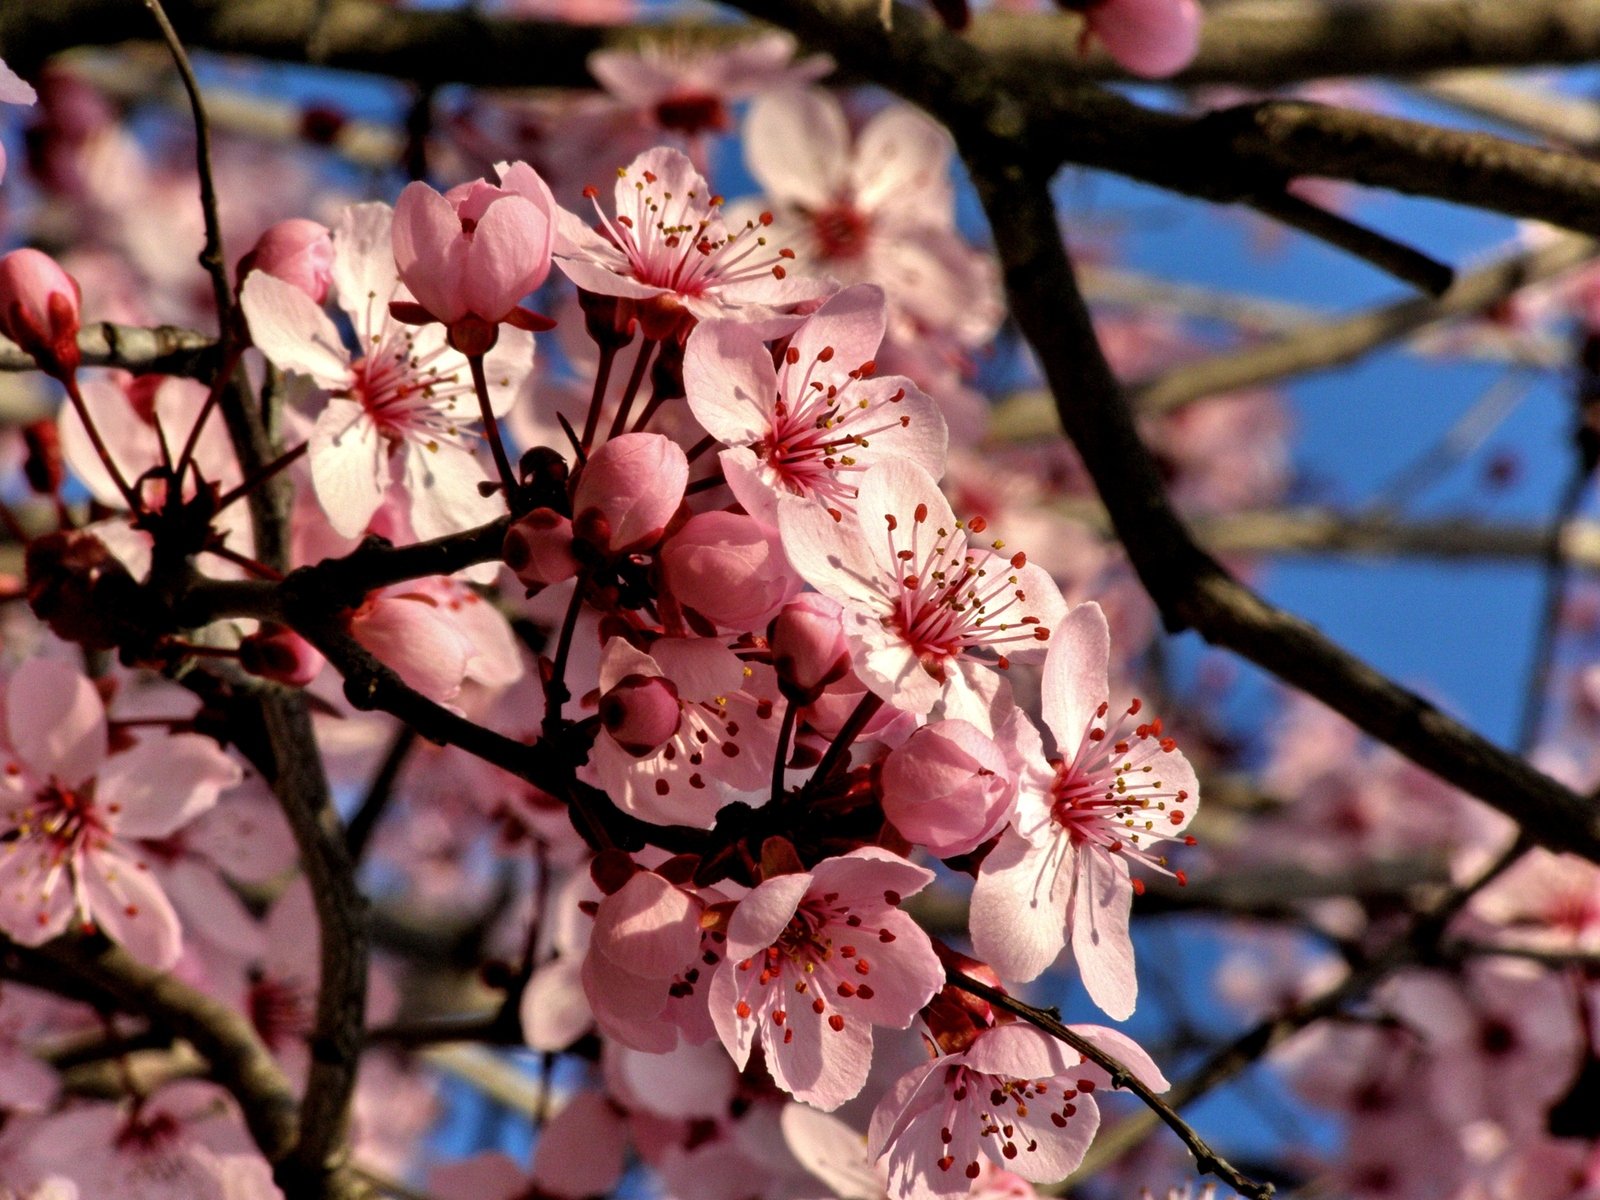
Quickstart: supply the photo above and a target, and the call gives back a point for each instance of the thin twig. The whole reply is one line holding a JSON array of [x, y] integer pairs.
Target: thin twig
[[1207, 1160], [211, 257]]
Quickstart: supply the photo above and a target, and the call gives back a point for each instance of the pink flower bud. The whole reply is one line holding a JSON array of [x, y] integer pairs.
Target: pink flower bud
[[730, 568], [809, 650], [281, 655], [39, 309], [538, 548], [1151, 38], [633, 484], [641, 713], [471, 255], [297, 251], [948, 787]]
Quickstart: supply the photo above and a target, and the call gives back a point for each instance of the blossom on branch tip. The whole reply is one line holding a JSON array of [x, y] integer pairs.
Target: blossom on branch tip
[[398, 412], [1015, 1096], [39, 305], [1120, 789], [471, 255], [814, 960]]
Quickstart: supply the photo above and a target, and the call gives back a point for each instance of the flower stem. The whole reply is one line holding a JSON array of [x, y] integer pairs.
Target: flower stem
[[640, 365], [110, 464], [491, 428], [781, 758], [283, 460], [597, 399], [840, 747]]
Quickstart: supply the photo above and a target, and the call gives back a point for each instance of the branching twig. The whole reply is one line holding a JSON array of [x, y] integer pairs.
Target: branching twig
[[1207, 1160], [211, 257]]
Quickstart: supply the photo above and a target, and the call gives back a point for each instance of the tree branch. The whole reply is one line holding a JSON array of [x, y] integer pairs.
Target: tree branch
[[1325, 344], [1207, 1160]]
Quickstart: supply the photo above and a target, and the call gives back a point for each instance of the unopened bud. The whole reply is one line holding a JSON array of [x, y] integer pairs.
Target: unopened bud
[[39, 305], [641, 713]]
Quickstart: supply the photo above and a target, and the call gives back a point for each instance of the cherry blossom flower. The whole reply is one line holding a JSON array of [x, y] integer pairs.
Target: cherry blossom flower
[[920, 599], [1063, 865], [950, 787], [471, 255], [68, 808], [1015, 1095], [687, 89], [814, 960], [396, 414], [730, 569], [669, 252], [811, 426], [876, 208], [720, 748], [650, 959], [185, 1140]]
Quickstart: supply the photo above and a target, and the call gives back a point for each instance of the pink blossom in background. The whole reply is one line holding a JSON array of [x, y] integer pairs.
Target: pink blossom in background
[[684, 89], [814, 960], [1061, 870], [13, 90], [875, 206], [1151, 38], [70, 809]]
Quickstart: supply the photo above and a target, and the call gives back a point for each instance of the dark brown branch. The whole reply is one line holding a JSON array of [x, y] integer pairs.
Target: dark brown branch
[[238, 1059], [1262, 44], [1207, 1160]]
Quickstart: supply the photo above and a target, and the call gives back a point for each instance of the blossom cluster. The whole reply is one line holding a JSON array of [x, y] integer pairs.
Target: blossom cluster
[[795, 655]]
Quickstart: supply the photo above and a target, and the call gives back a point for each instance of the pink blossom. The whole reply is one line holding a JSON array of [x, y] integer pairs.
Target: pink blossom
[[814, 424], [949, 787], [1152, 38], [69, 808], [814, 960], [1116, 794], [628, 491], [1016, 1095], [650, 959], [877, 207], [668, 251], [471, 255], [297, 251], [185, 1140], [538, 548], [920, 600], [408, 631], [809, 649], [395, 421], [687, 89], [13, 90], [39, 305], [721, 748], [729, 568]]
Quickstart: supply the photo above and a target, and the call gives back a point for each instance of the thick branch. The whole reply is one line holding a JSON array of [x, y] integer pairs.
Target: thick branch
[[1260, 43], [238, 1059]]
